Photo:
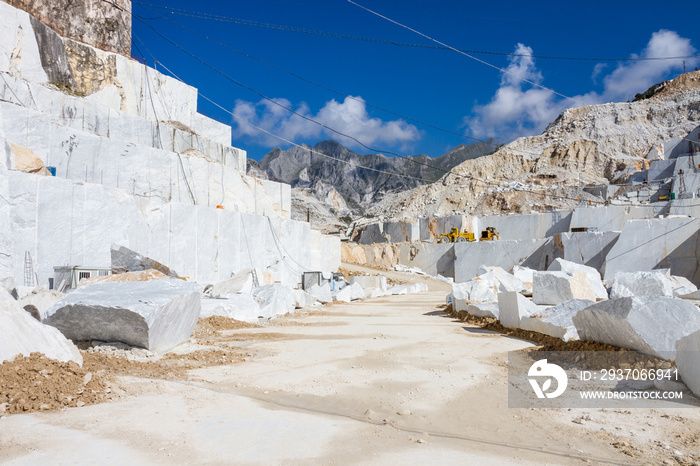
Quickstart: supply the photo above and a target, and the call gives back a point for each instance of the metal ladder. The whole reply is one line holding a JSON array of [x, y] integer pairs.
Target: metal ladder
[[256, 283], [28, 270]]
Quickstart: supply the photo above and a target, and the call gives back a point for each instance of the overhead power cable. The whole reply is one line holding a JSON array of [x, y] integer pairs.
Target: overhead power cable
[[228, 19], [440, 169], [263, 96], [292, 143], [502, 70], [321, 86]]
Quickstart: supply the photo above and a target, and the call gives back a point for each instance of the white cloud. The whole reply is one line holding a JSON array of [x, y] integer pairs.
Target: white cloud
[[349, 117], [520, 109], [514, 111], [631, 78], [597, 69]]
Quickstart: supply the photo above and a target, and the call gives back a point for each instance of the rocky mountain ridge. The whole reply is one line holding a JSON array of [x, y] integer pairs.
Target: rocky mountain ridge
[[598, 144], [337, 184]]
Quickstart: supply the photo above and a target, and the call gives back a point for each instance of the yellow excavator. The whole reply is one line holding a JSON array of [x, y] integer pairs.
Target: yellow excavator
[[454, 236], [489, 234]]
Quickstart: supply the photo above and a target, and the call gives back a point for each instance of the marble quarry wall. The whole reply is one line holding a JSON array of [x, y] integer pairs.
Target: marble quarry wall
[[135, 165], [659, 243]]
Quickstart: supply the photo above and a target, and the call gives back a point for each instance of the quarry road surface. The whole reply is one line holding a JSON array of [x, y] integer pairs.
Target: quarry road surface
[[385, 381]]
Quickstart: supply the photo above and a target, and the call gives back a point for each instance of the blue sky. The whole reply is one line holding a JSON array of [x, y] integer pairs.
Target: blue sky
[[443, 88]]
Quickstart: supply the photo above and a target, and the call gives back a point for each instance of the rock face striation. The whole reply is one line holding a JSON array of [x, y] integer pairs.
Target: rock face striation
[[105, 25], [338, 181], [156, 315]]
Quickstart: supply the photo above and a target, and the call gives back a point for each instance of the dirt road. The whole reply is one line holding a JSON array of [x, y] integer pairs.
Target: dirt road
[[385, 381]]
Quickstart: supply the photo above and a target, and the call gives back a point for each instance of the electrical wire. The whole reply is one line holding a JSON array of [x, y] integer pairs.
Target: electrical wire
[[150, 95], [351, 97], [467, 177], [321, 86], [502, 70], [2, 75], [300, 269], [275, 102], [228, 19], [293, 144]]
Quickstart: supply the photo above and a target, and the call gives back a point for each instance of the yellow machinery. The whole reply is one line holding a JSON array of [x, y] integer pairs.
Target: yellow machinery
[[489, 234], [454, 236]]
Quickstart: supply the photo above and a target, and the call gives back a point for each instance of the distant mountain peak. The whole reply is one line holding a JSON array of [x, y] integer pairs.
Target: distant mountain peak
[[366, 178]]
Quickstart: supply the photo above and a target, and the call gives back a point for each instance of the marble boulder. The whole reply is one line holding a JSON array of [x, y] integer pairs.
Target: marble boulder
[[513, 307], [156, 315], [592, 276], [556, 321], [275, 300], [688, 361], [648, 324], [552, 288], [241, 307]]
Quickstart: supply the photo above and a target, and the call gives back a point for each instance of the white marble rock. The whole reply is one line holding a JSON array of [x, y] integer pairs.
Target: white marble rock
[[156, 315], [513, 306], [344, 295], [502, 280], [242, 282], [356, 291], [648, 324], [645, 283], [682, 286], [592, 275], [241, 307], [557, 320], [477, 290], [552, 288], [21, 334], [688, 361], [275, 300], [369, 281], [304, 299], [483, 310], [646, 243], [525, 275], [321, 292]]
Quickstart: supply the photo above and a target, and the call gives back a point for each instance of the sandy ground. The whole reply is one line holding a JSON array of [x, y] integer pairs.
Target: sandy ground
[[385, 381]]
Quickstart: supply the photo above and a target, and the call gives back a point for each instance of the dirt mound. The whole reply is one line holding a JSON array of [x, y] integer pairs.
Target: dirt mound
[[209, 325], [37, 383], [169, 366], [140, 276]]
